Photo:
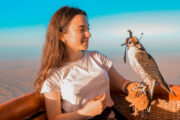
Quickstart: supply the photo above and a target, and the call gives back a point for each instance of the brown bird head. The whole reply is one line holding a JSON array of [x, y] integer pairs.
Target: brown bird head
[[130, 41]]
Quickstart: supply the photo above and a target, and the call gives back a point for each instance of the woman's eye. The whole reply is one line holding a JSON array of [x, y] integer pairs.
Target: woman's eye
[[82, 30]]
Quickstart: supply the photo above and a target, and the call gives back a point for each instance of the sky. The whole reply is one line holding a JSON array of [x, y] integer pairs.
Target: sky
[[23, 24]]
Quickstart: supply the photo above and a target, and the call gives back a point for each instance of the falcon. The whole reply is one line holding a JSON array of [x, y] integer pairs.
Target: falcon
[[145, 66]]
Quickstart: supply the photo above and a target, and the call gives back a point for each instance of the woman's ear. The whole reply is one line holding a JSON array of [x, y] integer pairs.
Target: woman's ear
[[62, 37]]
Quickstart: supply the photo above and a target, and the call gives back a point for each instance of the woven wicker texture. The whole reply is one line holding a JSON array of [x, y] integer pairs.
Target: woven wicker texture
[[162, 110]]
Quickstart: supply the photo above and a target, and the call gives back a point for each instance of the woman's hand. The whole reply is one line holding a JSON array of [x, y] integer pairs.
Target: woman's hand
[[94, 107]]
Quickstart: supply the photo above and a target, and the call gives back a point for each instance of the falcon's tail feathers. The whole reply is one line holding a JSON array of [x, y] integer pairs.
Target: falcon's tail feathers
[[173, 92], [166, 86], [169, 90]]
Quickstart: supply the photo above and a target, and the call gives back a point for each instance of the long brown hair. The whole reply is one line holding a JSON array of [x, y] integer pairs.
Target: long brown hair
[[54, 52]]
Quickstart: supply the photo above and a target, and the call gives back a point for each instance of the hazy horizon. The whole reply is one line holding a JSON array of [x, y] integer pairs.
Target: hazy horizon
[[17, 75]]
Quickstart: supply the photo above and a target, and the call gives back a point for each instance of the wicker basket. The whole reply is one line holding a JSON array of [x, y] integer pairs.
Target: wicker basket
[[165, 107]]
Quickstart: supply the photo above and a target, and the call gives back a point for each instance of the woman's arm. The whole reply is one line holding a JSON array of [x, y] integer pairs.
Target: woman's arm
[[53, 107], [117, 80]]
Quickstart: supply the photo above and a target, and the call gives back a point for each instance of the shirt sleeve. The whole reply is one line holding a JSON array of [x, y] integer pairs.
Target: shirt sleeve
[[51, 83], [107, 62]]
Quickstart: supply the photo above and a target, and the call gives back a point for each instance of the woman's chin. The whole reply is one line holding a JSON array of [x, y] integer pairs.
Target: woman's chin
[[85, 47]]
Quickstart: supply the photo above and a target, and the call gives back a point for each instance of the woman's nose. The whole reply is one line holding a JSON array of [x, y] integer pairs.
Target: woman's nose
[[87, 34]]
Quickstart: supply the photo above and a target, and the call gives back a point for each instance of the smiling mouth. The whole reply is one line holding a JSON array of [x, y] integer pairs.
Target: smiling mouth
[[84, 41]]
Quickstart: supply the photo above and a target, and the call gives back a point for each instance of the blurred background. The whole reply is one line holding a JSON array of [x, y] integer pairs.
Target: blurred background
[[23, 27]]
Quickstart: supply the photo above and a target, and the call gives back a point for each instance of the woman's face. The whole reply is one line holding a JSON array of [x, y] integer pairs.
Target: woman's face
[[77, 34]]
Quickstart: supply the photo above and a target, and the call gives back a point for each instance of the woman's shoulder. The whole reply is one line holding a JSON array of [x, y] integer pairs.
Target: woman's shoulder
[[101, 58], [54, 72]]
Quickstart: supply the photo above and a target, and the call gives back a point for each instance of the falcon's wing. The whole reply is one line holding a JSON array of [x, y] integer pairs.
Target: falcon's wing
[[149, 66]]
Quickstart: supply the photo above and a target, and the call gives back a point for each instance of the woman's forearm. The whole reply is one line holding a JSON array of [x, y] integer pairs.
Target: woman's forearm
[[117, 80], [70, 116], [123, 87], [121, 84]]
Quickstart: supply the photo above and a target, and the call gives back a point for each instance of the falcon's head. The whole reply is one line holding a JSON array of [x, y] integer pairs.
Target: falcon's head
[[131, 41]]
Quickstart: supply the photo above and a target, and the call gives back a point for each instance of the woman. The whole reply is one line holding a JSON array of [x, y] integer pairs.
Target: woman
[[74, 81]]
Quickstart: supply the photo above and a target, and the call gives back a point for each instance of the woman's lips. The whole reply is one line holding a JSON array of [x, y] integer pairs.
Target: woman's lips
[[84, 41]]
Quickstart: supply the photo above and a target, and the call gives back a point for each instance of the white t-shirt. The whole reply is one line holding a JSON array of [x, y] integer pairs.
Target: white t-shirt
[[80, 81]]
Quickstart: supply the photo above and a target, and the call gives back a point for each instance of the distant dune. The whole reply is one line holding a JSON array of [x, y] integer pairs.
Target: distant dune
[[17, 76]]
